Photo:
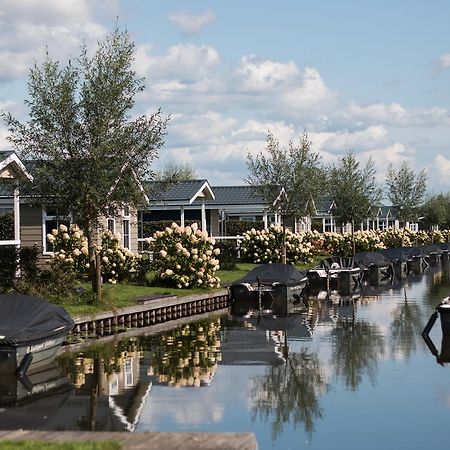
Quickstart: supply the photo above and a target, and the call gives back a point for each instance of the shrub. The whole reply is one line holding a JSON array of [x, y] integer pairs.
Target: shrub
[[8, 265], [184, 257], [266, 246], [228, 254], [7, 227], [28, 257], [239, 227]]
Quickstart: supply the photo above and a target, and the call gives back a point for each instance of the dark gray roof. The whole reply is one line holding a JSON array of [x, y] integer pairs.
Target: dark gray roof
[[236, 195], [181, 191], [323, 205]]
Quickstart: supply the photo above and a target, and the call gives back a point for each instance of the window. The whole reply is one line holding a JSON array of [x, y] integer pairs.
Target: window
[[111, 224], [51, 221], [126, 227], [128, 372]]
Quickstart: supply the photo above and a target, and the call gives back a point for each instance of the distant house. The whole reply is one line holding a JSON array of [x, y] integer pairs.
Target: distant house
[[212, 207]]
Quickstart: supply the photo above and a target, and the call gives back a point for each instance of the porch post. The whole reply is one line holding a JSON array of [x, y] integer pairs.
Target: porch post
[[265, 218], [16, 215], [203, 215], [182, 215]]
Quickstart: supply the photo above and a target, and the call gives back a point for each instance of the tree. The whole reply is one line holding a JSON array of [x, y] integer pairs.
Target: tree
[[292, 177], [436, 210], [90, 156], [297, 170], [353, 189], [176, 172], [406, 190]]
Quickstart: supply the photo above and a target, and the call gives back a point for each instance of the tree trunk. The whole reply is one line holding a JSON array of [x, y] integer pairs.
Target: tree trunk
[[353, 238], [283, 246], [94, 265]]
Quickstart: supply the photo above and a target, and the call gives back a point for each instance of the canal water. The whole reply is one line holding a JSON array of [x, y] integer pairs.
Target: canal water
[[348, 374]]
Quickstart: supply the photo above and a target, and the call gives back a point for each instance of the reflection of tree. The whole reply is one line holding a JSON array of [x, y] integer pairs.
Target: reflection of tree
[[406, 327], [356, 349], [289, 393], [439, 285]]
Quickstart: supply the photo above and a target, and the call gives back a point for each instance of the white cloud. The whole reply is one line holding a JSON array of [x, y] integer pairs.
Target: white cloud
[[395, 114], [182, 62], [444, 61], [343, 141], [260, 75], [28, 27], [192, 23], [442, 166]]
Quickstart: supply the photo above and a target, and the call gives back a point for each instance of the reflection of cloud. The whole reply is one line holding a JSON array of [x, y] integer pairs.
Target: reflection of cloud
[[444, 61], [192, 23]]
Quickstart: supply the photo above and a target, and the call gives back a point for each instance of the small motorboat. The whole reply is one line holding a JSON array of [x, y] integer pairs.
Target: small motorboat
[[375, 267], [275, 287], [31, 332], [335, 272]]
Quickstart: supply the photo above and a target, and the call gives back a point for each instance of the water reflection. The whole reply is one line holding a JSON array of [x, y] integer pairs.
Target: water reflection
[[357, 346], [256, 373], [289, 393]]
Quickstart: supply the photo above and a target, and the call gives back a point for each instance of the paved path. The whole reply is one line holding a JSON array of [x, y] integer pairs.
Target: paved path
[[141, 441]]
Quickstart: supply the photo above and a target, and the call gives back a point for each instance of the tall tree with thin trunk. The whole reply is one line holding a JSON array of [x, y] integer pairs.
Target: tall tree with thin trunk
[[353, 189], [406, 190], [89, 154], [173, 173], [296, 171]]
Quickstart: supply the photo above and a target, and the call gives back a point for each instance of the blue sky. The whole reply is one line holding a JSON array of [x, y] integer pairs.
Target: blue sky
[[368, 76]]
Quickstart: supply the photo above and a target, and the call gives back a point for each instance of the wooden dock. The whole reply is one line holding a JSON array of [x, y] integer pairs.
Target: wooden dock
[[145, 440]]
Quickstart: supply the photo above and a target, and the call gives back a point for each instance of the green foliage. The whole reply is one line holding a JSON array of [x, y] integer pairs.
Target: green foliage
[[353, 189], [176, 172], [228, 255], [7, 227], [295, 169], [436, 211], [28, 262], [89, 153], [239, 227], [44, 445], [185, 257], [406, 190], [8, 265]]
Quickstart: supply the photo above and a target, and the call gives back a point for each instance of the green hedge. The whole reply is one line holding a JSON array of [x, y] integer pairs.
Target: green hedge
[[8, 265], [7, 227], [239, 227]]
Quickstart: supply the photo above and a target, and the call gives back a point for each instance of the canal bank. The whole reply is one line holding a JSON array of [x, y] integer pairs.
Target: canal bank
[[143, 441]]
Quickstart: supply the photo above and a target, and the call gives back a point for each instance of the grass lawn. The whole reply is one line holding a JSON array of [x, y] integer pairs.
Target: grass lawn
[[123, 295], [38, 445]]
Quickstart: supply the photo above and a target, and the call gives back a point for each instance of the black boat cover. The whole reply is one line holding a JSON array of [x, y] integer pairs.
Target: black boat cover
[[368, 259], [274, 273], [24, 319], [394, 254]]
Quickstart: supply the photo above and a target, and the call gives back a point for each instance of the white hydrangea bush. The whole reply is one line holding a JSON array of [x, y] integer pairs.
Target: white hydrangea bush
[[185, 257], [265, 246]]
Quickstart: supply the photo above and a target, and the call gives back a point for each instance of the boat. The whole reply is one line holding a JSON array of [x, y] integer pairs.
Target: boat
[[31, 332], [335, 272], [275, 287], [375, 267]]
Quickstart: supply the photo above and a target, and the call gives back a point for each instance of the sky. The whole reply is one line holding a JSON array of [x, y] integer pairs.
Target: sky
[[371, 77]]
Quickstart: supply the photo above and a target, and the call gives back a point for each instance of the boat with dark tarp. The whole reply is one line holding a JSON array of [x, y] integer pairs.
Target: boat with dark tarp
[[277, 287], [31, 332], [335, 272]]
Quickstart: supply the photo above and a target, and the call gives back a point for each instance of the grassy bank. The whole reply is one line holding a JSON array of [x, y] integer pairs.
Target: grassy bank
[[123, 295], [38, 445]]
